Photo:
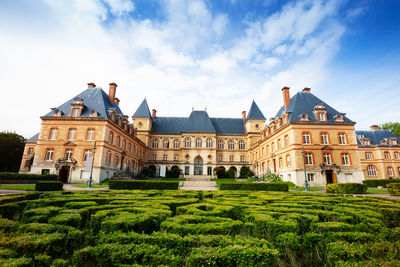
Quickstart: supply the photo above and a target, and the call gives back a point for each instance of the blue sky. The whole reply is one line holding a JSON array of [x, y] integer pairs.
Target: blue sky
[[200, 53]]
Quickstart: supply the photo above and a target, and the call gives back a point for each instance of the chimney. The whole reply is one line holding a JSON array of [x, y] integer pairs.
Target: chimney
[[306, 89], [286, 96], [374, 127], [111, 92], [116, 100], [91, 85], [153, 114], [244, 115]]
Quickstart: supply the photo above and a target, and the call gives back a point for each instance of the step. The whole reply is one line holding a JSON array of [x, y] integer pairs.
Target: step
[[199, 178], [199, 188], [199, 183]]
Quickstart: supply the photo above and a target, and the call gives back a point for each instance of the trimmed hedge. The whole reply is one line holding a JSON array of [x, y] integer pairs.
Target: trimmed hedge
[[24, 178], [126, 184], [49, 186], [394, 189], [255, 186], [380, 182], [349, 188]]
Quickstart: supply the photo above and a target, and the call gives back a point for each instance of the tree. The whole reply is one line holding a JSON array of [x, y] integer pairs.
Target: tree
[[245, 172], [394, 127], [11, 150]]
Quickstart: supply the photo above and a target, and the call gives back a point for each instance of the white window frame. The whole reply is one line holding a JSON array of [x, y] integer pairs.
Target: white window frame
[[165, 157], [231, 158], [345, 159], [242, 145], [86, 154], [68, 154], [176, 144], [369, 156], [310, 177], [371, 171], [154, 157], [342, 139], [49, 154], [53, 134], [327, 158], [75, 112], [209, 143], [165, 143], [199, 142], [306, 138], [154, 144], [220, 144], [220, 158], [324, 139], [90, 134], [308, 157], [242, 158], [390, 171], [231, 145], [71, 134], [188, 142]]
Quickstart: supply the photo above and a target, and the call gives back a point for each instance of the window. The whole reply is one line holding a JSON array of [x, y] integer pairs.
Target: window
[[241, 158], [262, 152], [155, 143], [53, 134], [209, 143], [242, 146], [327, 159], [267, 149], [371, 170], [68, 154], [394, 141], [387, 155], [76, 112], [175, 157], [309, 158], [154, 157], [310, 177], [30, 151], [345, 159], [129, 147], [368, 155], [123, 145], [188, 142], [324, 138], [342, 139], [187, 170], [220, 144], [108, 158], [90, 134], [176, 143], [231, 144], [110, 138], [272, 147], [396, 155], [86, 154], [286, 141], [321, 117], [280, 163], [165, 157], [209, 170], [288, 160], [220, 158], [390, 171], [115, 161], [117, 143], [306, 138], [165, 143], [49, 154], [231, 158], [279, 144], [199, 142]]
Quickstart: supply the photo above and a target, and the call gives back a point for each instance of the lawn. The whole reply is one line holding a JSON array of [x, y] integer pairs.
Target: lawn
[[197, 228], [377, 191], [26, 187], [93, 185]]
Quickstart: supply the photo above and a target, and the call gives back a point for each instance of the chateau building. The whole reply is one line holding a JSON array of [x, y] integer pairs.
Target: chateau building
[[307, 139]]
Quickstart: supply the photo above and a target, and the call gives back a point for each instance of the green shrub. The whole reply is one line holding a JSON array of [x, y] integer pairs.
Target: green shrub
[[254, 186], [24, 178], [49, 186], [394, 189], [349, 188], [123, 184], [245, 172], [380, 182]]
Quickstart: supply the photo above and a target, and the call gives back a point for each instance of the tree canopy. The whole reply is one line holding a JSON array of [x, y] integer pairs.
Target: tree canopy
[[394, 127], [11, 149]]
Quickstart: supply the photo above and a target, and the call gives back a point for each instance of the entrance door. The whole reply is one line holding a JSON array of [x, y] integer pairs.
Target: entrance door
[[198, 166], [329, 176], [63, 174]]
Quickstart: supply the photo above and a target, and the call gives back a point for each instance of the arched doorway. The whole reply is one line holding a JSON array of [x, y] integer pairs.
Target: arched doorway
[[198, 166], [220, 172]]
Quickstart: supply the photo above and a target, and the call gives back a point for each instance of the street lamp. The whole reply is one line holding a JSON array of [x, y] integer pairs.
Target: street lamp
[[304, 162], [91, 170]]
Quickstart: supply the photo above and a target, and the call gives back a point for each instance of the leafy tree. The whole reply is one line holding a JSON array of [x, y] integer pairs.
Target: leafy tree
[[230, 173], [394, 127], [11, 150], [245, 172]]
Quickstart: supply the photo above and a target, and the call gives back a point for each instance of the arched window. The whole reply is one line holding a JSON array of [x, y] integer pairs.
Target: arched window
[[199, 142], [231, 144], [165, 143], [115, 161], [123, 145], [108, 158], [371, 170], [110, 138], [155, 143], [220, 144], [176, 143], [242, 146], [209, 143], [117, 142], [188, 142]]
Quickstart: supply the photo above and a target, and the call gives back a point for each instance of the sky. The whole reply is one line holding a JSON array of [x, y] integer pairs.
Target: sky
[[217, 55]]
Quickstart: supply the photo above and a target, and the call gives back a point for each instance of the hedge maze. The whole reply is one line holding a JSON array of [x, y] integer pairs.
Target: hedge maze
[[189, 228]]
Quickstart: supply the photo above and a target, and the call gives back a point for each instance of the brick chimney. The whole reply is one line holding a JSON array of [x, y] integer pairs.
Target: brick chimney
[[244, 115], [153, 114], [116, 100], [91, 85], [374, 127], [286, 96], [111, 92], [306, 89]]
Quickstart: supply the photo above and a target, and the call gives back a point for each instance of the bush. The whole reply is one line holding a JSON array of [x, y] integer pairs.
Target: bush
[[120, 184], [254, 186], [349, 188], [24, 178], [230, 173], [380, 182], [394, 189], [221, 173], [49, 186], [245, 172]]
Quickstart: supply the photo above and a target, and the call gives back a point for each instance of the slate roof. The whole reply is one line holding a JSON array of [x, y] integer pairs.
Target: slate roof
[[143, 110], [304, 103], [255, 113], [376, 137], [33, 138], [93, 99]]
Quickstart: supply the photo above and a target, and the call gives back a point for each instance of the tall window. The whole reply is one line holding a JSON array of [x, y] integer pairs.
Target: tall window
[[288, 163], [279, 144], [155, 143], [371, 170], [129, 147], [110, 138], [242, 145], [231, 158], [188, 142], [199, 142], [309, 158], [53, 134], [241, 158], [175, 157], [30, 151], [321, 117], [220, 158], [108, 158], [390, 171], [396, 155], [165, 157], [49, 154], [342, 139], [123, 145], [209, 143], [86, 154], [387, 155], [76, 112], [324, 138], [71, 134], [286, 141], [90, 134], [117, 142], [345, 159], [310, 177], [272, 147], [154, 157], [262, 152], [280, 163], [327, 159], [176, 143], [115, 161], [68, 154], [231, 144], [368, 155], [220, 144], [165, 143], [306, 138]]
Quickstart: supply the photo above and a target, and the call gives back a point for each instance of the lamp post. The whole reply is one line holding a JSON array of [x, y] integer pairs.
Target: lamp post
[[91, 169], [305, 172]]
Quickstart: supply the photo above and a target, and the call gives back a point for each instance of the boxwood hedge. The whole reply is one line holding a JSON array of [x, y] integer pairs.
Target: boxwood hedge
[[128, 184], [255, 186], [49, 186], [24, 178], [380, 182], [348, 188], [394, 189]]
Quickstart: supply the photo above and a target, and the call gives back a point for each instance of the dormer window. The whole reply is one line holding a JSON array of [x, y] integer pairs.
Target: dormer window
[[77, 108], [320, 112], [384, 141], [76, 112], [339, 118], [366, 141], [394, 141], [57, 113], [321, 116], [304, 117], [93, 114]]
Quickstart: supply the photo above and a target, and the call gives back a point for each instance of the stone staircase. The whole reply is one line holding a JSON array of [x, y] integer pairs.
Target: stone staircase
[[198, 182]]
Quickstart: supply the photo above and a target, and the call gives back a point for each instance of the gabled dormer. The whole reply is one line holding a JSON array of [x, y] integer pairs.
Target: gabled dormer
[[320, 112], [304, 117], [57, 113], [339, 118], [77, 108]]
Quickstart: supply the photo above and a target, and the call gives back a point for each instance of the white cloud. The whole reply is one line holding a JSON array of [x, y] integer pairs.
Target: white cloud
[[120, 7]]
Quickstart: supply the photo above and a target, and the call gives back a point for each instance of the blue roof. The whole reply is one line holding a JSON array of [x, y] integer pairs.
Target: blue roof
[[255, 113], [143, 110], [93, 99], [34, 138], [228, 126], [304, 103], [376, 137]]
